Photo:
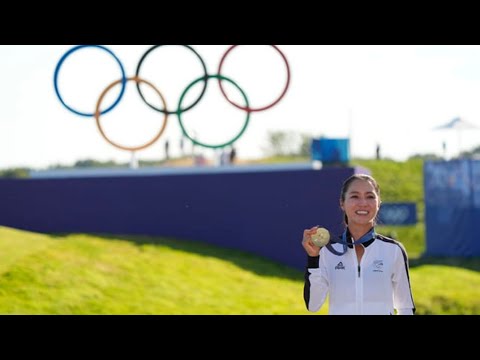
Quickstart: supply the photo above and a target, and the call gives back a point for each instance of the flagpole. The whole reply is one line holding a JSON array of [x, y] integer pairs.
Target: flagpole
[[459, 133], [350, 132]]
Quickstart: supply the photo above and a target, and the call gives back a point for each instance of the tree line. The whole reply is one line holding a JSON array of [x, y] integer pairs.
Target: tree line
[[279, 143]]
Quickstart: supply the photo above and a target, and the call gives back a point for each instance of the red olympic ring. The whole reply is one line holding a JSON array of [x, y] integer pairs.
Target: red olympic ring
[[248, 109]]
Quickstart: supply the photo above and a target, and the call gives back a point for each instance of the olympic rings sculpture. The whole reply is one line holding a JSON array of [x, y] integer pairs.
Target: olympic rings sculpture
[[165, 110]]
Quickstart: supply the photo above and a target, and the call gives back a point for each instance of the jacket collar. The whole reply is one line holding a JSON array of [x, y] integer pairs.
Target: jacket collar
[[365, 244]]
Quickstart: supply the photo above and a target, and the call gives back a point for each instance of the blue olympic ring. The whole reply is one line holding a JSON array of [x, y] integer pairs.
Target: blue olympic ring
[[62, 60]]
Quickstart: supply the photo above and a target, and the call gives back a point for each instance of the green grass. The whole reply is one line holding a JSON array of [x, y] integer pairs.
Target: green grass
[[87, 274], [440, 285], [443, 289], [399, 181], [84, 274]]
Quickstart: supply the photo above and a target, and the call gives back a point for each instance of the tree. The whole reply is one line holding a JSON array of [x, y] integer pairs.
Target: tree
[[15, 173], [281, 143], [305, 145], [428, 157]]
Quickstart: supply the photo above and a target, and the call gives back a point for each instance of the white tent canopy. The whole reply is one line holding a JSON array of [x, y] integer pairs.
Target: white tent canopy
[[458, 124]]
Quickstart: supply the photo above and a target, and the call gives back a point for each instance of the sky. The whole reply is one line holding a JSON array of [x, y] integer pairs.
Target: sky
[[393, 96]]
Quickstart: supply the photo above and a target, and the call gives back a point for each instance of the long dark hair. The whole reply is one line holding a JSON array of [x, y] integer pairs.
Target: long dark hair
[[349, 181]]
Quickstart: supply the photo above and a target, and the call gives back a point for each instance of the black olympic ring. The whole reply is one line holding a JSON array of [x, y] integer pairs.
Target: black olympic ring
[[205, 78], [165, 110]]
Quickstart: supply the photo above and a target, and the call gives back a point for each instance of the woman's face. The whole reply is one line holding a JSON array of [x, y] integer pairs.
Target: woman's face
[[361, 203]]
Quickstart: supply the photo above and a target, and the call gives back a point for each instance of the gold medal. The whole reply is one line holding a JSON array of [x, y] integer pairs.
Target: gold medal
[[321, 237]]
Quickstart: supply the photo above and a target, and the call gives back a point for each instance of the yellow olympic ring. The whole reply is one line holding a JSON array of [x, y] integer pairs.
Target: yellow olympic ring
[[97, 114]]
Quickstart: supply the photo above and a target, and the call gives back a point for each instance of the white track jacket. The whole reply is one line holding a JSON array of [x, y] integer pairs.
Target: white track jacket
[[377, 285]]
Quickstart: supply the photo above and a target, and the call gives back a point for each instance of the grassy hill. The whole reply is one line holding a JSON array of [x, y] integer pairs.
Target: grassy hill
[[440, 285], [401, 181], [86, 274]]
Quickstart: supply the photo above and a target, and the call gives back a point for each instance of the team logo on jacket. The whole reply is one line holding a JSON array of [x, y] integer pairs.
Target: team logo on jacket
[[378, 266], [340, 266]]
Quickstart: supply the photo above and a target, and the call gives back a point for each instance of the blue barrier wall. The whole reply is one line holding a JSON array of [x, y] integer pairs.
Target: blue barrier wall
[[452, 208], [263, 212]]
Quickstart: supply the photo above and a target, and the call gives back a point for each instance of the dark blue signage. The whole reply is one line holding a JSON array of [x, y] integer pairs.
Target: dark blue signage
[[397, 214]]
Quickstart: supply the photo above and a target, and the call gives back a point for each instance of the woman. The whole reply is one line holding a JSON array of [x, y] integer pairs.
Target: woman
[[362, 272]]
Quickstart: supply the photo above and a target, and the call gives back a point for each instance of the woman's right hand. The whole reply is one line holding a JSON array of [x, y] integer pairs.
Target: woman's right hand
[[308, 245]]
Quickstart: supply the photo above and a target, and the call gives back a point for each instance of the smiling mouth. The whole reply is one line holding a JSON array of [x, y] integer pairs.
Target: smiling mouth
[[361, 212]]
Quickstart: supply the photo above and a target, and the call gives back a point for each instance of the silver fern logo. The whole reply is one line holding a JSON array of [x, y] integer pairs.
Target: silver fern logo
[[378, 266]]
